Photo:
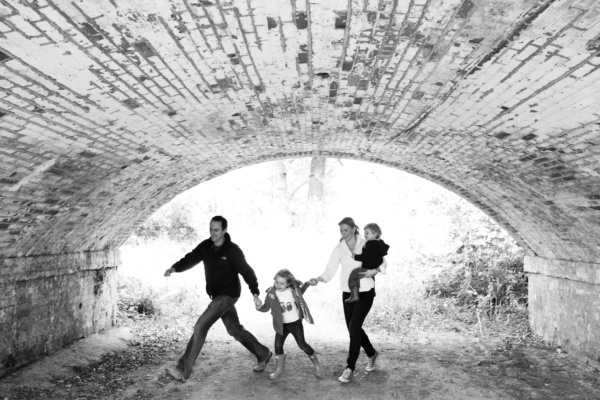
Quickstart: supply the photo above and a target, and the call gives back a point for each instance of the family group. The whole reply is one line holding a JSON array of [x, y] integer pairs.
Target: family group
[[360, 260]]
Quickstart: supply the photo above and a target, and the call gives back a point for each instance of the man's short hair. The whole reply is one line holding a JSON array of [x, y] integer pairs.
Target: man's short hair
[[374, 228], [222, 220]]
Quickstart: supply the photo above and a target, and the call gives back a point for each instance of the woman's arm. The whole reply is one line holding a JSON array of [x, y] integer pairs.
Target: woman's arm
[[383, 267], [332, 266], [372, 272], [368, 273]]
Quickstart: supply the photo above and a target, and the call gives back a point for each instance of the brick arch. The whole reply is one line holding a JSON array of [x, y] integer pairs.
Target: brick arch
[[108, 109], [116, 207]]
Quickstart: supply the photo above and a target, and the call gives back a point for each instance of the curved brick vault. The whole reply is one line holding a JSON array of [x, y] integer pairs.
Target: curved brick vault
[[108, 109], [108, 112]]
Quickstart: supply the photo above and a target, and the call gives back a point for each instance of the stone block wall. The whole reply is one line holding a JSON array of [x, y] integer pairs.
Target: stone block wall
[[48, 302], [564, 305]]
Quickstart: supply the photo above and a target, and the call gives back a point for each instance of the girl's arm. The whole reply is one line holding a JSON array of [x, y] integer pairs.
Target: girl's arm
[[304, 287]]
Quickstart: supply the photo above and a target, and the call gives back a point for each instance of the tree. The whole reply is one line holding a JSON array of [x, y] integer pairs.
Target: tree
[[316, 194]]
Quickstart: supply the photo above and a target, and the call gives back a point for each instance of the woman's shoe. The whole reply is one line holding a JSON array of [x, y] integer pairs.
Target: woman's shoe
[[371, 364], [346, 376]]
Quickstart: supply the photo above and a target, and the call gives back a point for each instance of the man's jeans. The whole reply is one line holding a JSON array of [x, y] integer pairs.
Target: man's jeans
[[220, 307]]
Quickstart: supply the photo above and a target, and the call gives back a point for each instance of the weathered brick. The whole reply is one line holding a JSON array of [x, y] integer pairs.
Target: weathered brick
[[51, 290]]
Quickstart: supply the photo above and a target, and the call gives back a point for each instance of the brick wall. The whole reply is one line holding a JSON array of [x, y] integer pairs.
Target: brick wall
[[564, 305], [47, 302]]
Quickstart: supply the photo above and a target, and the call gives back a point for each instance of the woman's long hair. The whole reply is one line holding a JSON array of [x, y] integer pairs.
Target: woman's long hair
[[350, 222], [289, 278]]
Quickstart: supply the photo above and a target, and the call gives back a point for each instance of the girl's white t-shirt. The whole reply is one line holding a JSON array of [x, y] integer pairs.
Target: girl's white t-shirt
[[289, 308]]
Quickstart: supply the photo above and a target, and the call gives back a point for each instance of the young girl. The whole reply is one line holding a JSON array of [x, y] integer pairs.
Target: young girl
[[288, 308]]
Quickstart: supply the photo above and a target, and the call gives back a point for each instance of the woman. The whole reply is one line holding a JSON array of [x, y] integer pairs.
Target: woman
[[354, 313]]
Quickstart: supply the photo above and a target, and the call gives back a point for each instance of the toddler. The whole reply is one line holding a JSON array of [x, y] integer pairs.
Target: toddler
[[288, 308], [372, 257]]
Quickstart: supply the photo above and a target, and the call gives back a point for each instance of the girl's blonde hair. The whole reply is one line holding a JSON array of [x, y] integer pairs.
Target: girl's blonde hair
[[289, 278]]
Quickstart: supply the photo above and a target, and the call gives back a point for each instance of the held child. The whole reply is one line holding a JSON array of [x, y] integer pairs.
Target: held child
[[288, 308], [372, 257]]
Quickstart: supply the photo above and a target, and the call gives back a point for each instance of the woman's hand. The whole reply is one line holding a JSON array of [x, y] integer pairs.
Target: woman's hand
[[314, 281], [369, 273]]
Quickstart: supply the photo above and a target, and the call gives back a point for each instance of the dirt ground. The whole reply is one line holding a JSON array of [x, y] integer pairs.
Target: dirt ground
[[120, 364]]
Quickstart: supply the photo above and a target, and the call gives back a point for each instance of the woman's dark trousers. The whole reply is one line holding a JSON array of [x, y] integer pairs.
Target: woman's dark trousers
[[355, 314]]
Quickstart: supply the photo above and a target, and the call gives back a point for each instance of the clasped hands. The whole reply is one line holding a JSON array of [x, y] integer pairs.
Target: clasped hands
[[314, 281], [257, 302]]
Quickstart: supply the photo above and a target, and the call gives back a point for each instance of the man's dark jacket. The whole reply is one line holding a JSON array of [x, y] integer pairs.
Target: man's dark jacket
[[221, 268]]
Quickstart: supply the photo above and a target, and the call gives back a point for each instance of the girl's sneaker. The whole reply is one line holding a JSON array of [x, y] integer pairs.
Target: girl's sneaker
[[371, 364], [346, 375]]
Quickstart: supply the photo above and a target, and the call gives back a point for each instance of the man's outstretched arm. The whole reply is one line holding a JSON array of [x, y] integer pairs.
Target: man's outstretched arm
[[190, 260]]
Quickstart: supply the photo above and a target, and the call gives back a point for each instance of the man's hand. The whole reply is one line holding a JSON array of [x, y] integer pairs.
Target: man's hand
[[369, 273], [169, 272], [257, 302]]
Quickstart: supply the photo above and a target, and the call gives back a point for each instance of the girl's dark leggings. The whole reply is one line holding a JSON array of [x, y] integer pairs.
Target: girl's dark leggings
[[297, 330]]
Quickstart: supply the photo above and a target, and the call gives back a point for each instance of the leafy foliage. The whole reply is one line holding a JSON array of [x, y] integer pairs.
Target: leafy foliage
[[173, 223], [484, 277]]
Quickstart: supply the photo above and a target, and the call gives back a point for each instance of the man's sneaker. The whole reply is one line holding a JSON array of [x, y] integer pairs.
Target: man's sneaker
[[371, 364], [176, 374], [262, 365], [346, 375]]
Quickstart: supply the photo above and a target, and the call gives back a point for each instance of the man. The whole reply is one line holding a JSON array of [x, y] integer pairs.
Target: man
[[223, 261]]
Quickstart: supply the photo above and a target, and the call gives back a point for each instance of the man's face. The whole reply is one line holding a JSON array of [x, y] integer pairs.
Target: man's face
[[217, 234]]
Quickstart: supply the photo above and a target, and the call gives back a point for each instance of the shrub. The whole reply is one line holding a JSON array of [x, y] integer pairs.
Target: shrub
[[487, 277]]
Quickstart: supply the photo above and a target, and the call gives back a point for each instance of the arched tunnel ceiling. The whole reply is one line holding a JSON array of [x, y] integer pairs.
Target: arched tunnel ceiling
[[109, 108]]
